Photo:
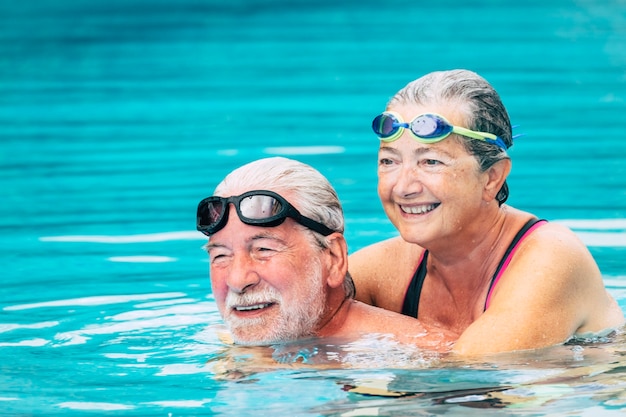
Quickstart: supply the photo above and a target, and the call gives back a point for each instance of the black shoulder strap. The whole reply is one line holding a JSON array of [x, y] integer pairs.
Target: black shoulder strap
[[412, 296]]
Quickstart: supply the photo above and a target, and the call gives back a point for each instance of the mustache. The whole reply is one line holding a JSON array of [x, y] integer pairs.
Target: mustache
[[266, 295]]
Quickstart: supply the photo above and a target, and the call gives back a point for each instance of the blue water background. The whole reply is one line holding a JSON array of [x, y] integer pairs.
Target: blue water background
[[117, 117]]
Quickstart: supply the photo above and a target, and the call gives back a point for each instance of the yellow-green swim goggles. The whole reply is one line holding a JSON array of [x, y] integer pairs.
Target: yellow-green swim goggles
[[426, 128]]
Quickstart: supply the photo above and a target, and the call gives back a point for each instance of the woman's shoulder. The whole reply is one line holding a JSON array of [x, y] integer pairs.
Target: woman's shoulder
[[545, 231], [549, 254], [546, 234], [387, 251]]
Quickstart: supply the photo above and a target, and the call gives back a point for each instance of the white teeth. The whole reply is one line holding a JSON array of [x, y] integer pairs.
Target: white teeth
[[252, 307], [418, 209]]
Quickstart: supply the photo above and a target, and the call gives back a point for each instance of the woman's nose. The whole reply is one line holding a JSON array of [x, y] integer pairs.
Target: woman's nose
[[408, 182]]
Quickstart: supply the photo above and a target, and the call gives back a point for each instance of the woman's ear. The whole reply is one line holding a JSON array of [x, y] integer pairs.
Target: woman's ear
[[496, 175], [337, 261]]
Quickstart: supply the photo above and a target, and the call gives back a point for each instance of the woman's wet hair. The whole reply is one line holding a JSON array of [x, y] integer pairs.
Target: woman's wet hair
[[476, 100]]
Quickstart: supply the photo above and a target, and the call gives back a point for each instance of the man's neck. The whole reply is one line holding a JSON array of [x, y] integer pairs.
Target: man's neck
[[337, 314]]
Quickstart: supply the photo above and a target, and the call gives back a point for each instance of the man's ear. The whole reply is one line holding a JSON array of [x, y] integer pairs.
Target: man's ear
[[496, 175], [337, 260]]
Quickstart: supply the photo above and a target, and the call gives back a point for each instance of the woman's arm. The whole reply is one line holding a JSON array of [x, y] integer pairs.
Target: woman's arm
[[551, 291], [383, 271]]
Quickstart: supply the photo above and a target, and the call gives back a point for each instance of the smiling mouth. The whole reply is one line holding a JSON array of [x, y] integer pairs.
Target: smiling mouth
[[419, 209], [253, 307]]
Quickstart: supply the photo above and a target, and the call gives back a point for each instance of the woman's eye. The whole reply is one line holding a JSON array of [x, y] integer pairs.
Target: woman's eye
[[431, 162]]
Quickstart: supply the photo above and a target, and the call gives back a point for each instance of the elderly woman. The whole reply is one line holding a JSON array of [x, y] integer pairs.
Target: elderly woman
[[498, 277]]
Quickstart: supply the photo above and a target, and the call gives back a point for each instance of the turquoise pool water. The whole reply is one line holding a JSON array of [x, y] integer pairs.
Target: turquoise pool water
[[118, 116]]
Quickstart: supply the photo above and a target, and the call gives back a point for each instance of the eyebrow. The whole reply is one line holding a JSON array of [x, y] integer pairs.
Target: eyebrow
[[208, 246], [261, 235], [421, 150]]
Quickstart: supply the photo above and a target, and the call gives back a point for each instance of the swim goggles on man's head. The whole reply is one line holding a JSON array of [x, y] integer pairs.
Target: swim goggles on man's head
[[426, 128], [256, 208]]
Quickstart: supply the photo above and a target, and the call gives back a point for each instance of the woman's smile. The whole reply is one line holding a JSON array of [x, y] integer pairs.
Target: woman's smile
[[419, 209]]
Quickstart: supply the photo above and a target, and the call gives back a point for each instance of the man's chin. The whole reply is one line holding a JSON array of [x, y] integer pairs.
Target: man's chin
[[246, 336], [261, 338]]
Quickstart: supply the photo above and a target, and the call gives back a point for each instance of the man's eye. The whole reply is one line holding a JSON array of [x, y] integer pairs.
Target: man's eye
[[219, 260], [217, 257], [265, 249]]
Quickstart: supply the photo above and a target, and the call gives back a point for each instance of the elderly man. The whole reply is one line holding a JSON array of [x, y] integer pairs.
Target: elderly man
[[278, 261]]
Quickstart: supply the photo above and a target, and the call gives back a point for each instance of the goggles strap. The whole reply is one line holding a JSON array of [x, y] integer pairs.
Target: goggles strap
[[473, 134]]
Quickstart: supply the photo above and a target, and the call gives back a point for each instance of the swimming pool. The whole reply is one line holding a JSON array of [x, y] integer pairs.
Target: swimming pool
[[117, 117]]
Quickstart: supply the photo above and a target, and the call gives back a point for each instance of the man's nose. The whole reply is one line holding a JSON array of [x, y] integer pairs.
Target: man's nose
[[243, 274]]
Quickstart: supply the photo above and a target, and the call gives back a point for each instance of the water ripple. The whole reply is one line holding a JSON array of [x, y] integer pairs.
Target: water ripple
[[94, 301], [596, 233]]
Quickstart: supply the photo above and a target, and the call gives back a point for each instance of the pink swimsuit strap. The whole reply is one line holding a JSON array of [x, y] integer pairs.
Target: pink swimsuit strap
[[511, 252]]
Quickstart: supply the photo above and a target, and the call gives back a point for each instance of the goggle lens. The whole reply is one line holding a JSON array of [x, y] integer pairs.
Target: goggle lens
[[385, 125], [429, 126], [259, 207], [212, 212]]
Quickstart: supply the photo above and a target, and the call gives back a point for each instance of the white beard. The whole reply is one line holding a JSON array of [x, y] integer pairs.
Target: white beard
[[295, 320]]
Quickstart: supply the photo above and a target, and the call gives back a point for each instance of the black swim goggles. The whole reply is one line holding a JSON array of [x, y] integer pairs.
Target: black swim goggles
[[256, 208], [426, 128]]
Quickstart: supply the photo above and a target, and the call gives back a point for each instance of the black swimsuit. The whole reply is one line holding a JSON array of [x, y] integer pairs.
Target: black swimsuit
[[412, 296]]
